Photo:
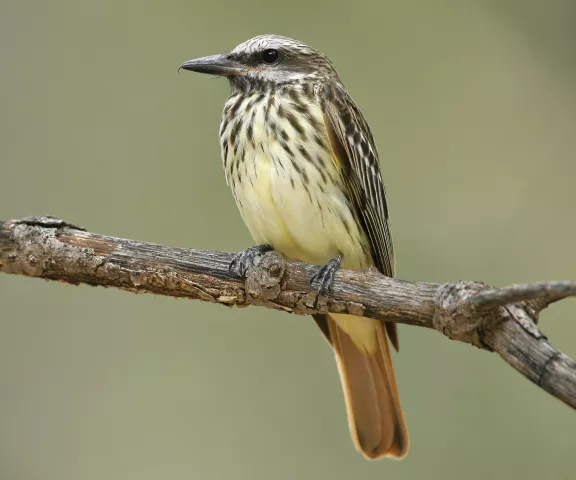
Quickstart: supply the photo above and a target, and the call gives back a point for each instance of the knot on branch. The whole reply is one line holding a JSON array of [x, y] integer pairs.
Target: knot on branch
[[264, 278], [456, 317], [29, 253]]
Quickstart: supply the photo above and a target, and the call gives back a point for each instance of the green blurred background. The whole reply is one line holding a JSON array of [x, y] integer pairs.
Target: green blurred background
[[473, 105]]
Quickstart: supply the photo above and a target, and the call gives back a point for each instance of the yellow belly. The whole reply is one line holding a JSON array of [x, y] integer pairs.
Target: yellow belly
[[311, 232], [290, 192], [295, 201]]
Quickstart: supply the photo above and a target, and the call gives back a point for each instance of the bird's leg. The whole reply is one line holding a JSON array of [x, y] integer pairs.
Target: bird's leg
[[245, 259], [325, 277]]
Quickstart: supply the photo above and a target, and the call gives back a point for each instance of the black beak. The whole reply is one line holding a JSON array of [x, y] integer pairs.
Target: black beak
[[214, 65]]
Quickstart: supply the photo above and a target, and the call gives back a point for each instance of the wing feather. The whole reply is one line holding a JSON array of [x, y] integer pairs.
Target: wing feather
[[355, 151]]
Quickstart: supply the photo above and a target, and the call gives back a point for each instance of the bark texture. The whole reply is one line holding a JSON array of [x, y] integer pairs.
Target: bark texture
[[503, 320]]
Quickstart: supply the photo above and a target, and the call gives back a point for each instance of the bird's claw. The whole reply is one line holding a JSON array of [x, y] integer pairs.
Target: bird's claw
[[245, 259], [325, 277]]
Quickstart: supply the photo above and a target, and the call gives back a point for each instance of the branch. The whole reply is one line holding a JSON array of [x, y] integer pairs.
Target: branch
[[500, 320]]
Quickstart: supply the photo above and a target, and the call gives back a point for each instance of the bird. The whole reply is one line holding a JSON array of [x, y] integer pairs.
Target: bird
[[304, 171]]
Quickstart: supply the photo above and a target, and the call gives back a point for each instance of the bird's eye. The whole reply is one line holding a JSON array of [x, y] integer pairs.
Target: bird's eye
[[270, 56]]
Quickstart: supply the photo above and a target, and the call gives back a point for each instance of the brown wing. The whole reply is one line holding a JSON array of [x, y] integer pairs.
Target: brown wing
[[355, 150]]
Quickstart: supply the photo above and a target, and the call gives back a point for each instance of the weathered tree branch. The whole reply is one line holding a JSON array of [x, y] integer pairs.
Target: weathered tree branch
[[501, 320]]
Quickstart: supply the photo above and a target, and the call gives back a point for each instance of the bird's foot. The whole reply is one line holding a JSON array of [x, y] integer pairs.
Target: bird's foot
[[246, 259], [325, 277]]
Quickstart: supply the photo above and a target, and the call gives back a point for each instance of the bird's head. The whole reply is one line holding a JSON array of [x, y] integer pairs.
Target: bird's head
[[266, 61]]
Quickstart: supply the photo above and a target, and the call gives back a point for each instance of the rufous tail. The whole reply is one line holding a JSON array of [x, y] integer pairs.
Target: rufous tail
[[375, 415]]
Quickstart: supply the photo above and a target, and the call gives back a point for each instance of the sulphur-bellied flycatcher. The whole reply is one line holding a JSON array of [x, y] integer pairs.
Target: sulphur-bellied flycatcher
[[303, 167]]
